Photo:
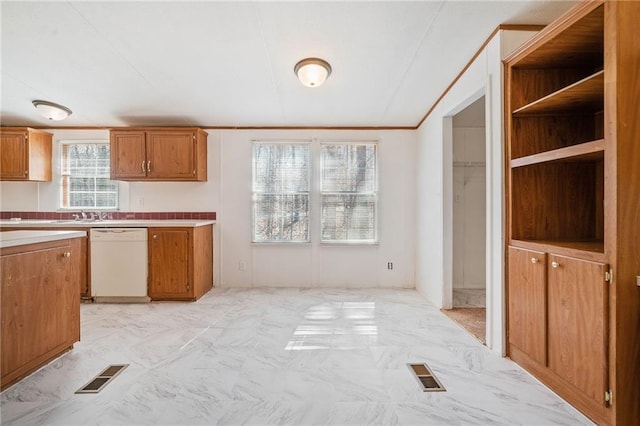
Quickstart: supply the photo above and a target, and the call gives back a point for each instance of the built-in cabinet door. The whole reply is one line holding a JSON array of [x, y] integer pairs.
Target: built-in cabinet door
[[13, 156], [169, 263], [128, 155], [527, 302], [171, 155], [40, 303], [577, 332]]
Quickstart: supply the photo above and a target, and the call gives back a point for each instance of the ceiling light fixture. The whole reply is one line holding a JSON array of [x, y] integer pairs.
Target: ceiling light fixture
[[52, 111], [312, 72]]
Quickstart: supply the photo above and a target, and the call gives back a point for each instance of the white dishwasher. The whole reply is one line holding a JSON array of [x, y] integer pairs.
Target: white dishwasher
[[119, 265]]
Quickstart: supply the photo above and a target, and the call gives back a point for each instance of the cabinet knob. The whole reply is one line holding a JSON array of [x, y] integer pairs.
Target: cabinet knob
[[555, 264], [155, 236], [66, 254], [534, 260]]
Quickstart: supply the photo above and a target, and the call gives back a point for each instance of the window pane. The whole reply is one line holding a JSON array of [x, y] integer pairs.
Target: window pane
[[85, 182], [349, 192], [347, 217], [280, 192], [280, 168], [349, 168], [281, 217]]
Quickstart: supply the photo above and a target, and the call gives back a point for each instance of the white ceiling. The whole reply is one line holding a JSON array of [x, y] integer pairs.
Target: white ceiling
[[231, 63]]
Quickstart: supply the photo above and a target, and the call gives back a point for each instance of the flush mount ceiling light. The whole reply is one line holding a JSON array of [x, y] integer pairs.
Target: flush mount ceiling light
[[312, 72], [52, 111]]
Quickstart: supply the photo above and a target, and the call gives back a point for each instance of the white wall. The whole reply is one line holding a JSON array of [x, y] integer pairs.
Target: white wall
[[228, 193], [435, 184], [469, 211], [313, 264]]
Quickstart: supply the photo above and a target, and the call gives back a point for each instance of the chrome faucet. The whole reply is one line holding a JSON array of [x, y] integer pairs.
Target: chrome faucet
[[84, 214]]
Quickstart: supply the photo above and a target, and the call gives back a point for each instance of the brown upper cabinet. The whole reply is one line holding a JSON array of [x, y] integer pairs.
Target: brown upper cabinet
[[573, 208], [160, 154], [25, 154]]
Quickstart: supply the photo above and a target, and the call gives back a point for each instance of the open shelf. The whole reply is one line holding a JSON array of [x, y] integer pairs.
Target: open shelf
[[558, 201], [538, 134], [581, 43], [588, 151], [586, 94]]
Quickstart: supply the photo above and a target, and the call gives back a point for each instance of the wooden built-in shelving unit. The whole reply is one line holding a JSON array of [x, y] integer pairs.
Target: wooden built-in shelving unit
[[573, 208]]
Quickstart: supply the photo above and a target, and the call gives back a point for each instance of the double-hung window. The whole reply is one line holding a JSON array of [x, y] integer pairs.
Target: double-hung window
[[349, 192], [281, 183], [85, 179]]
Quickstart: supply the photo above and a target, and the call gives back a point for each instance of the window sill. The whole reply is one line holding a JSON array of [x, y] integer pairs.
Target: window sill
[[86, 209], [279, 243], [349, 244]]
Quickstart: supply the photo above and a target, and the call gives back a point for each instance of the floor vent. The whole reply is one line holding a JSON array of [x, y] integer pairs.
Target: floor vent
[[96, 384], [426, 378]]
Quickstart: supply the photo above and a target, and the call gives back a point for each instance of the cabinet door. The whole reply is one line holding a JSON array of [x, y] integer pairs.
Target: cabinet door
[[527, 303], [13, 156], [169, 264], [128, 155], [171, 155], [577, 335], [40, 304]]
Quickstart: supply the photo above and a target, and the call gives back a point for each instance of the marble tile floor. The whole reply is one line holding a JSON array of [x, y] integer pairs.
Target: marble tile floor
[[281, 356]]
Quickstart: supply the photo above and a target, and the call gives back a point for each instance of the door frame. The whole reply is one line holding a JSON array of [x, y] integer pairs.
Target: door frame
[[494, 253]]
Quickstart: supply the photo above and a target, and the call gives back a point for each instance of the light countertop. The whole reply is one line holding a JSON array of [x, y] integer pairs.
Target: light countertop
[[123, 223], [20, 238]]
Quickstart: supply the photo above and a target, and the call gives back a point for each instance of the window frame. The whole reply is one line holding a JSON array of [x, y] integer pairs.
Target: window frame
[[65, 176], [375, 193], [309, 191]]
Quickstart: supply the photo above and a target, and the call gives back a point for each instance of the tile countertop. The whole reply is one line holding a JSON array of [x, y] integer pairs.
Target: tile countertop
[[21, 238], [124, 223]]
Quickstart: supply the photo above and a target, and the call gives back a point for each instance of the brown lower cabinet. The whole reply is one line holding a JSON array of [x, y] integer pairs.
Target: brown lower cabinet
[[528, 303], [84, 284], [180, 262], [40, 304], [557, 324]]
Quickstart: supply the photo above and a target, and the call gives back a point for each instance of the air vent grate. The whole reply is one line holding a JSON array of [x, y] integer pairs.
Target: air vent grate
[[427, 380], [96, 384]]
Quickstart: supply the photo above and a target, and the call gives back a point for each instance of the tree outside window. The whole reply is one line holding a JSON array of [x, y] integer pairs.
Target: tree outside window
[[280, 192]]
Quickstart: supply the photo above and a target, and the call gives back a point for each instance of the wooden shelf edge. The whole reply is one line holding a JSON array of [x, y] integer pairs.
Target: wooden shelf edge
[[586, 250], [586, 91], [585, 151]]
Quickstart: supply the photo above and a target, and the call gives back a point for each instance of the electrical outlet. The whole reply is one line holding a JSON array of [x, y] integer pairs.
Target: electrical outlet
[[242, 265], [140, 202], [389, 265]]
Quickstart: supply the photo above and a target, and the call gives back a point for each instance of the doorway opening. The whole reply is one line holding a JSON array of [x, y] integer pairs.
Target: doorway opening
[[469, 193]]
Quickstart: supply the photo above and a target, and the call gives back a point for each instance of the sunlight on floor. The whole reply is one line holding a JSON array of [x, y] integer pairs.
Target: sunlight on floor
[[323, 322]]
